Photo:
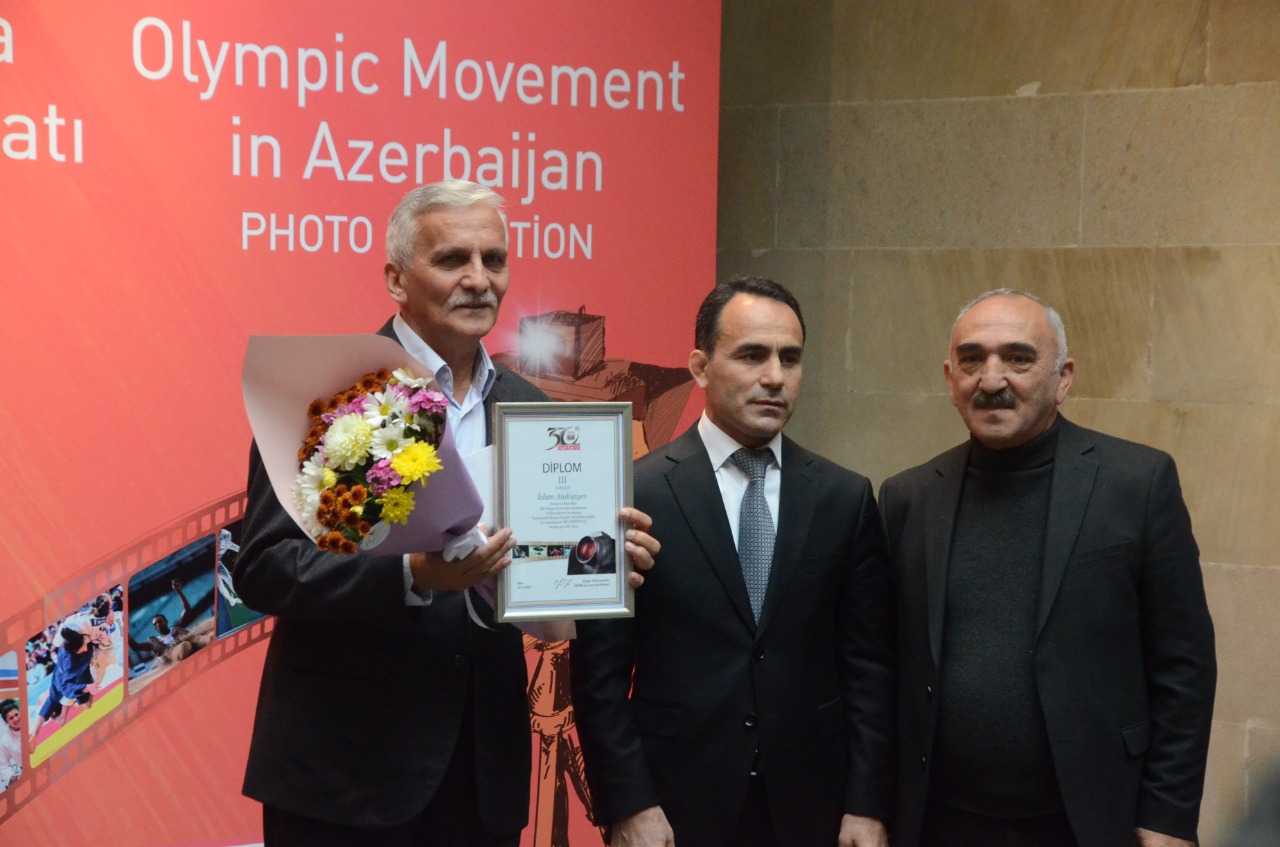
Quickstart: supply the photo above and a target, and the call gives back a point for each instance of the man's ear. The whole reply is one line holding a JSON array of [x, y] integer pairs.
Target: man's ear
[[698, 367], [395, 286], [1065, 377]]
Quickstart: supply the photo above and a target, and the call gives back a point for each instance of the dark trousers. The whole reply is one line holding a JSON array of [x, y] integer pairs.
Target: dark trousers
[[949, 827], [451, 819], [755, 824]]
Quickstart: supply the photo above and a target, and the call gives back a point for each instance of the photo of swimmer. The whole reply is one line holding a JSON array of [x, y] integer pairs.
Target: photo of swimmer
[[171, 611], [75, 671]]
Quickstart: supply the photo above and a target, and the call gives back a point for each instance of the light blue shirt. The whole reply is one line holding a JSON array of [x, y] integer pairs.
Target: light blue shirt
[[464, 419]]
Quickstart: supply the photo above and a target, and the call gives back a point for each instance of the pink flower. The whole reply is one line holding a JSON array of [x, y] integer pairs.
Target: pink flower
[[355, 407], [382, 478], [431, 402]]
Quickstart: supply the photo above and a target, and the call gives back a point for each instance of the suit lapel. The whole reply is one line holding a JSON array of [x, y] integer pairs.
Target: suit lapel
[[799, 498], [1069, 491], [693, 485], [942, 498]]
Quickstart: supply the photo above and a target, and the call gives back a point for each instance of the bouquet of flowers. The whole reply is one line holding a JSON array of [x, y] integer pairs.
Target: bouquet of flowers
[[366, 445], [378, 467]]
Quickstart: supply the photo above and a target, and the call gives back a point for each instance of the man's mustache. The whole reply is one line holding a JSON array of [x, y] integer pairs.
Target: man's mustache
[[472, 301], [1002, 399]]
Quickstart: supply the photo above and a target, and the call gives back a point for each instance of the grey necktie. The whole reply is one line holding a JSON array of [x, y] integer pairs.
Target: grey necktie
[[755, 526]]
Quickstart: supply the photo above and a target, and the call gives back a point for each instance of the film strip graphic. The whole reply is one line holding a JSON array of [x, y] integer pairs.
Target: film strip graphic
[[159, 575]]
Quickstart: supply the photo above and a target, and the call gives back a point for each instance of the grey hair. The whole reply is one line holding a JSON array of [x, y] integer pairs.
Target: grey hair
[[1055, 320], [402, 226]]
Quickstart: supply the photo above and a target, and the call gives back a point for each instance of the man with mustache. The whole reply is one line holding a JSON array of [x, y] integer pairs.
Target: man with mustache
[[750, 700], [386, 718], [1057, 668]]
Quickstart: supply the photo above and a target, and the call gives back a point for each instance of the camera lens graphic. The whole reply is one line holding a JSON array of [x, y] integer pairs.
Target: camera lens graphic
[[593, 554]]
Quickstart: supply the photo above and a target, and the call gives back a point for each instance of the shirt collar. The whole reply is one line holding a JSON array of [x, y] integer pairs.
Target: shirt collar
[[482, 377], [720, 445]]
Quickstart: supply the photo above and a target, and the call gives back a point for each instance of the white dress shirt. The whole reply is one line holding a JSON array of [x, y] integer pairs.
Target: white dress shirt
[[733, 480]]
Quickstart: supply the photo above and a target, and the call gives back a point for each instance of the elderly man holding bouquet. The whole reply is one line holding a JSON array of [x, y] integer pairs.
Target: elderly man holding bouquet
[[386, 715]]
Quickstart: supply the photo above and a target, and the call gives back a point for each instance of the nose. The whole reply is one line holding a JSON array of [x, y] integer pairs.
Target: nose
[[992, 376], [476, 275], [771, 373]]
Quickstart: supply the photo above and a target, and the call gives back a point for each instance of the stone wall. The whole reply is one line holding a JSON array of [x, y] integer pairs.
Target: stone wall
[[890, 159]]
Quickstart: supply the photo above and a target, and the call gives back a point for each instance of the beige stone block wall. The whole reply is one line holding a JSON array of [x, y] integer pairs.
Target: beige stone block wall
[[889, 160]]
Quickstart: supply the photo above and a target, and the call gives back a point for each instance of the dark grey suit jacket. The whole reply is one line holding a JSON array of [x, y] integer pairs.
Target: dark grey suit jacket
[[810, 687], [362, 696], [1124, 653]]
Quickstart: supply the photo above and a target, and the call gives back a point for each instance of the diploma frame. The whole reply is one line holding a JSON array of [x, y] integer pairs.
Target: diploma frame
[[593, 440]]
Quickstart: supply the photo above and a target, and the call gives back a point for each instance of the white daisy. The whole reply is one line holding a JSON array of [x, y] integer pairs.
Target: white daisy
[[389, 440], [384, 406]]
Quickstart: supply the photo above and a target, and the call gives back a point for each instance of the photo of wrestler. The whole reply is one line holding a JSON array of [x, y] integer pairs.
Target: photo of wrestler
[[171, 611], [10, 722], [75, 670]]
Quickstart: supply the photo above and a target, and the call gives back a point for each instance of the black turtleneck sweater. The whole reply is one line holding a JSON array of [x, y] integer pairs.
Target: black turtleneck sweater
[[992, 755]]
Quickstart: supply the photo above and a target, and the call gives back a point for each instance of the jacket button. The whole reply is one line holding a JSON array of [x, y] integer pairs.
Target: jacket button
[[459, 661], [928, 692], [759, 655], [924, 763], [750, 720]]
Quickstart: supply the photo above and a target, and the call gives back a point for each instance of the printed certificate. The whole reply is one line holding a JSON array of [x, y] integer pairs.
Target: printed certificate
[[563, 472]]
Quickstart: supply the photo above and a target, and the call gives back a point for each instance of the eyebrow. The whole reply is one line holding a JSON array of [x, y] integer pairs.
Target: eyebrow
[[754, 347], [1011, 347]]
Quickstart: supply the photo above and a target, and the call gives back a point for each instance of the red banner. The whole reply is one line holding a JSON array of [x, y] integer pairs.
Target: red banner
[[179, 175]]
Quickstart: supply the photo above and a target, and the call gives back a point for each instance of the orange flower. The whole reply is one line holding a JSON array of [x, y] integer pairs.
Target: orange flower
[[316, 409], [368, 382], [364, 528], [328, 498], [358, 494], [347, 546], [351, 519]]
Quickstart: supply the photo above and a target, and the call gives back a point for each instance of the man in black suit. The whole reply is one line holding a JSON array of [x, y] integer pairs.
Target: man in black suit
[[762, 648], [430, 745], [1057, 666]]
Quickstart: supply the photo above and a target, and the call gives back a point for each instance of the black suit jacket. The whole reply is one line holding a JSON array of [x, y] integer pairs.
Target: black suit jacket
[[810, 688], [1124, 653], [362, 696]]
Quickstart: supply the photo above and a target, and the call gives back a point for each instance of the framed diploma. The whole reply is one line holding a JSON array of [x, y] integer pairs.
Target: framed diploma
[[563, 472]]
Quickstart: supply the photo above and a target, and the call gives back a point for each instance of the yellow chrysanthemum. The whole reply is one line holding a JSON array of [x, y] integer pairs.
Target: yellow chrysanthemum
[[330, 479], [416, 461], [396, 505]]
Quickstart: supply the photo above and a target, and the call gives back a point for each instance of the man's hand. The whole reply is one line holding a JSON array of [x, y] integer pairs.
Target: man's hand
[[431, 572], [858, 831], [175, 584], [647, 827], [641, 546], [1148, 838]]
